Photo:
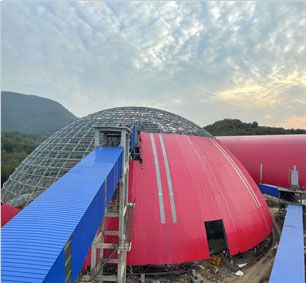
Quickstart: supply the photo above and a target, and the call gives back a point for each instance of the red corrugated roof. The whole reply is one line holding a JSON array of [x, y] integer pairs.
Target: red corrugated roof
[[7, 213], [278, 154], [208, 183]]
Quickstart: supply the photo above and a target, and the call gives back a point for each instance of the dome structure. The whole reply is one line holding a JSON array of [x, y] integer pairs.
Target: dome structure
[[200, 200], [61, 151], [192, 197]]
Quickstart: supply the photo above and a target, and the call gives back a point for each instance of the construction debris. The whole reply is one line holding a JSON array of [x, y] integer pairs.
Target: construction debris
[[239, 273], [196, 277], [215, 260]]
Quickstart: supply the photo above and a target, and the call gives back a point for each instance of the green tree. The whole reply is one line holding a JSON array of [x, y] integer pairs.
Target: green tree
[[14, 148], [234, 127]]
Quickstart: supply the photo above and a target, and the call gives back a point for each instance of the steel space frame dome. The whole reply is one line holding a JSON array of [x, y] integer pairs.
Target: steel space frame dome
[[61, 151]]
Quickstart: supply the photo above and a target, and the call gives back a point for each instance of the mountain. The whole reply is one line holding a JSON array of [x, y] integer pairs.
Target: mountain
[[32, 114], [234, 127]]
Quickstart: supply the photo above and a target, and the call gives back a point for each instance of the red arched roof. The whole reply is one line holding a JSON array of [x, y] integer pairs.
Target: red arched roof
[[278, 154], [208, 183]]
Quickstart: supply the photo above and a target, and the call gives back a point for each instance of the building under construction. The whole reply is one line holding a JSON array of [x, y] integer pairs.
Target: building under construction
[[135, 187]]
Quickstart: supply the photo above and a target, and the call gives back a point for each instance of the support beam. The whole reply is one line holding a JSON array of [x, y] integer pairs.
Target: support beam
[[260, 173], [123, 196]]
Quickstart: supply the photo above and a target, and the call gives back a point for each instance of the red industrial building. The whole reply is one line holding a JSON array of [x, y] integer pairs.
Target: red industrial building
[[278, 155]]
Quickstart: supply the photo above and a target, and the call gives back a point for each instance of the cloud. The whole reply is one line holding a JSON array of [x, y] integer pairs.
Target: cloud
[[295, 122], [276, 90], [250, 96], [203, 60]]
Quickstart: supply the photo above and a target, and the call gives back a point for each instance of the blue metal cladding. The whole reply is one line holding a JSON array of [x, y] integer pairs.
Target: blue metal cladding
[[72, 208], [269, 190], [289, 261], [57, 272], [110, 183], [133, 138]]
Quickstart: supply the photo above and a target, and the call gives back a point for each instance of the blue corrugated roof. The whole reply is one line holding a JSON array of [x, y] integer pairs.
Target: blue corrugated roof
[[72, 208], [289, 261], [269, 190]]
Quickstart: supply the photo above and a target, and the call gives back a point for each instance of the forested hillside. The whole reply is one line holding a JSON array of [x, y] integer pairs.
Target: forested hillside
[[234, 127], [14, 148]]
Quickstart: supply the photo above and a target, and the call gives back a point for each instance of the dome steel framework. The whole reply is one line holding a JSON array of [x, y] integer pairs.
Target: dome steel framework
[[61, 151]]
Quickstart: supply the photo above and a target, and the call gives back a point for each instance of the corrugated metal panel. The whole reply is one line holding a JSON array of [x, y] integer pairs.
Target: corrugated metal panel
[[206, 186], [269, 190], [289, 264], [57, 272], [278, 154], [133, 138], [72, 208]]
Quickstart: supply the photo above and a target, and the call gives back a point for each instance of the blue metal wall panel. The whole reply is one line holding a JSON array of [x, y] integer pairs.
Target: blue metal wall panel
[[85, 232], [133, 138], [111, 181], [289, 261], [57, 273], [269, 190], [72, 208]]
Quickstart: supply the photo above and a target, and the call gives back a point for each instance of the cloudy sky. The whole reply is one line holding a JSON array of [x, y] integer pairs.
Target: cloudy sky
[[205, 61]]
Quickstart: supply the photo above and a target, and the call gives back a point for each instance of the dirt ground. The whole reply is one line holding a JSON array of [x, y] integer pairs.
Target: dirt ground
[[258, 266], [257, 270]]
